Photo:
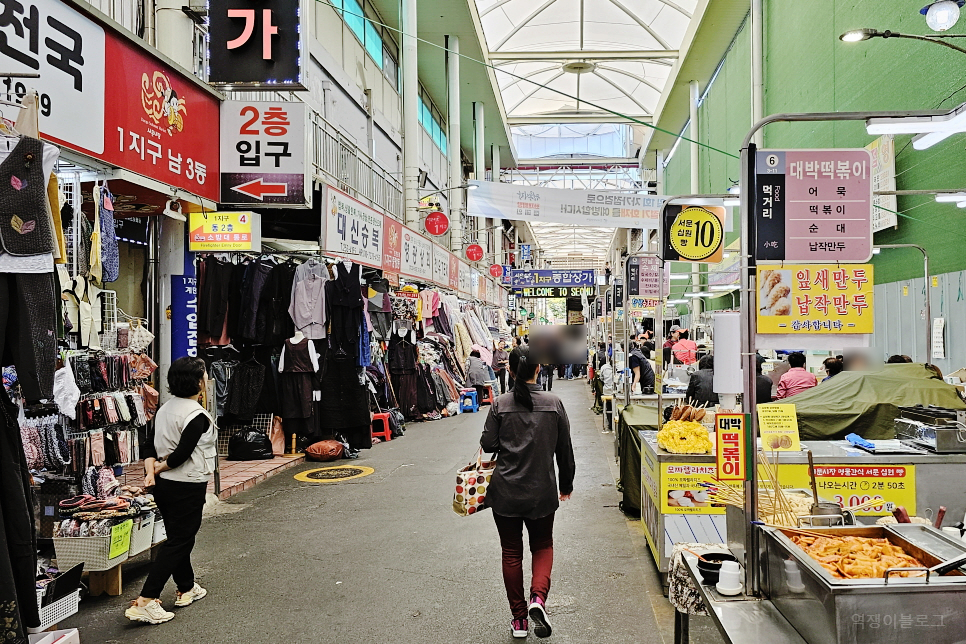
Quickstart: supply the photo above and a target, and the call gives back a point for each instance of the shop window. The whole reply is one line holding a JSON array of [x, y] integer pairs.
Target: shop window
[[390, 69], [374, 43]]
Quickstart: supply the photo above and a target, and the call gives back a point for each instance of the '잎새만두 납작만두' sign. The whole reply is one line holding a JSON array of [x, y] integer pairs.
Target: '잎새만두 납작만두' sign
[[815, 298]]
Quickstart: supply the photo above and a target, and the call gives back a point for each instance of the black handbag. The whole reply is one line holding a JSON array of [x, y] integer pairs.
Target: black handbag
[[250, 445]]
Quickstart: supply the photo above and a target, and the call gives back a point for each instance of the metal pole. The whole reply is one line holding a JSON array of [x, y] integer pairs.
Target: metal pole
[[925, 263]]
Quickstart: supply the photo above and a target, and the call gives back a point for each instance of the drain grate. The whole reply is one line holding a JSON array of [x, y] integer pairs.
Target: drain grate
[[334, 474]]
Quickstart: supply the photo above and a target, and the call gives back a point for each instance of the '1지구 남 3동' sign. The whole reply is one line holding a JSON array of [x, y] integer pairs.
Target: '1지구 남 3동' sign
[[813, 205], [815, 298]]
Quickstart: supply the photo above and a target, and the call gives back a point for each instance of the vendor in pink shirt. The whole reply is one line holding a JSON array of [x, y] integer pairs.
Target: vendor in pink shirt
[[796, 379], [685, 350]]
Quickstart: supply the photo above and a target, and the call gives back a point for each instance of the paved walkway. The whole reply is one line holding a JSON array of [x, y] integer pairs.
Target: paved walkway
[[384, 559]]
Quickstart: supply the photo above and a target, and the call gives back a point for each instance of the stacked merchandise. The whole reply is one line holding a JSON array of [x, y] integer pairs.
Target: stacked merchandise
[[297, 339]]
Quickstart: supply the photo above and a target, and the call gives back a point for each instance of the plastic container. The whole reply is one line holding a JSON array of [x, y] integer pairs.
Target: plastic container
[[159, 532], [142, 535], [91, 551], [56, 611]]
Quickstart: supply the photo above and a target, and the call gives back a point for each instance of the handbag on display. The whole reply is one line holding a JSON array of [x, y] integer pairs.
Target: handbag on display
[[471, 484], [277, 436], [323, 451], [139, 337]]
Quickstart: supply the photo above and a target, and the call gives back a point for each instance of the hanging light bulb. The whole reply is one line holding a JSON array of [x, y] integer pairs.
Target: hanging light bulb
[[942, 15]]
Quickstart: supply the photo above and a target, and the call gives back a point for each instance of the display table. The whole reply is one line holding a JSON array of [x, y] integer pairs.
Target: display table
[[739, 620], [673, 501]]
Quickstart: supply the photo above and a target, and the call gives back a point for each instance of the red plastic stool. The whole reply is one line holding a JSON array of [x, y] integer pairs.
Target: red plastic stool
[[488, 397], [386, 432]]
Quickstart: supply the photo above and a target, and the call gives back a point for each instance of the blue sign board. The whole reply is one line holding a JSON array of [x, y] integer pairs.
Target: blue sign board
[[505, 278], [184, 311], [525, 251], [553, 277]]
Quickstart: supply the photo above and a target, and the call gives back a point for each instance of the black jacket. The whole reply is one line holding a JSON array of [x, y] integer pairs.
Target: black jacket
[[524, 483], [763, 385], [701, 387]]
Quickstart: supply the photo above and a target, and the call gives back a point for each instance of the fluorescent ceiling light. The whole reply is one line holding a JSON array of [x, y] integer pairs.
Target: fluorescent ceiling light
[[951, 197], [680, 276], [942, 126], [676, 302], [698, 294], [876, 251], [735, 189], [731, 202], [961, 204], [857, 34], [723, 287]]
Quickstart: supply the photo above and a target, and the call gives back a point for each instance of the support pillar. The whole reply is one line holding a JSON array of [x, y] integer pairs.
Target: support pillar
[[453, 144], [410, 91], [693, 134]]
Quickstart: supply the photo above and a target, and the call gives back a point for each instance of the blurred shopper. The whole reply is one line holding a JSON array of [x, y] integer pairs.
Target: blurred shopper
[[641, 371], [797, 379], [763, 385], [701, 385], [832, 366], [685, 350], [500, 361], [477, 374]]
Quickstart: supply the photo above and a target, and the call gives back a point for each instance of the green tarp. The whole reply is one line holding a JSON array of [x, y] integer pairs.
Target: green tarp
[[866, 403], [633, 419]]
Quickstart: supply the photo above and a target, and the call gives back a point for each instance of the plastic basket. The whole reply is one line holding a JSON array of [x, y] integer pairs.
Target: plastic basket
[[91, 551], [142, 535], [56, 611]]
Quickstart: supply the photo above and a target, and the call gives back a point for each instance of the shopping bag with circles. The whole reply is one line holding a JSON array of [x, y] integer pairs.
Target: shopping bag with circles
[[471, 484]]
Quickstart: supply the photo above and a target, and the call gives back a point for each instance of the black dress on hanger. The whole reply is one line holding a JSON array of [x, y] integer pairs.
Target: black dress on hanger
[[343, 303]]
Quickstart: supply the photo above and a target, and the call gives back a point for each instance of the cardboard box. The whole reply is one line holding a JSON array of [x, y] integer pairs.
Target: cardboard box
[[69, 636]]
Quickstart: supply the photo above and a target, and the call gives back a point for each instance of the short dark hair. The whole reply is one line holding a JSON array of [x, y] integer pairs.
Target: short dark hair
[[185, 376], [474, 354], [796, 359], [896, 360], [683, 334], [707, 362], [833, 366]]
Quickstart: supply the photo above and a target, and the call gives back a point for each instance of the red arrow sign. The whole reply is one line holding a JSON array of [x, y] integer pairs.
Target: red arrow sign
[[257, 189]]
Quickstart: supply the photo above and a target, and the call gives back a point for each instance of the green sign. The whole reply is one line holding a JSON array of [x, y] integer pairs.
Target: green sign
[[523, 311], [531, 316], [543, 319], [120, 539]]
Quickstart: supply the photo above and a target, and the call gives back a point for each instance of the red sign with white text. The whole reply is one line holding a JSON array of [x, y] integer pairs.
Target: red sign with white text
[[392, 245], [496, 270], [437, 223], [474, 252], [454, 272], [158, 124]]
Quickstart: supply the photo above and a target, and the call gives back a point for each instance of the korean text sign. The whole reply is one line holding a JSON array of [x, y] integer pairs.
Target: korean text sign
[[730, 451], [778, 427], [417, 255], [352, 229], [815, 298], [263, 153], [217, 232], [813, 205], [682, 491], [255, 43], [548, 277], [149, 119]]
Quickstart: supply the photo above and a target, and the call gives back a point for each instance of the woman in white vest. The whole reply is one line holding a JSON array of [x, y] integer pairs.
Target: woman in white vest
[[178, 462]]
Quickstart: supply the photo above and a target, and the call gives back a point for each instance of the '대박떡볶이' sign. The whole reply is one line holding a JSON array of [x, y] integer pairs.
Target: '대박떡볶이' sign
[[603, 208], [813, 205], [815, 298], [352, 229], [731, 448]]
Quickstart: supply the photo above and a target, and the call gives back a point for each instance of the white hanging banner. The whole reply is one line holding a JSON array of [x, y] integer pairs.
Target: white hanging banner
[[600, 208]]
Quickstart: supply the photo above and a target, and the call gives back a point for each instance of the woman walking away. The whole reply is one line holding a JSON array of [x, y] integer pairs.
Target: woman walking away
[[477, 374], [178, 462], [528, 428]]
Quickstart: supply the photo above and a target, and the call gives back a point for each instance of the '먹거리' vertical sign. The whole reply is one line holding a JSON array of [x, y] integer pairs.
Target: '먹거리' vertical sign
[[731, 449], [256, 45], [813, 205], [815, 298]]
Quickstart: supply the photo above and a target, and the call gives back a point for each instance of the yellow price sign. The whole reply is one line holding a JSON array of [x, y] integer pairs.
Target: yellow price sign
[[697, 233], [120, 539]]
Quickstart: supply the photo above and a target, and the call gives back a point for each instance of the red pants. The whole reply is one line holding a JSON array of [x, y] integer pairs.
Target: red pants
[[540, 532]]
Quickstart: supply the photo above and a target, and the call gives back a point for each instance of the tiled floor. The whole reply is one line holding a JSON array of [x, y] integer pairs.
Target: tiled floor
[[236, 476]]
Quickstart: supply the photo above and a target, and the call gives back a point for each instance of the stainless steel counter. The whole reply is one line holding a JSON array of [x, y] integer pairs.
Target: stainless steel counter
[[739, 620]]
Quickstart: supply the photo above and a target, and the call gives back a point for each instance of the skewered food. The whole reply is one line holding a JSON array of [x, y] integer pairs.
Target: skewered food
[[856, 557]]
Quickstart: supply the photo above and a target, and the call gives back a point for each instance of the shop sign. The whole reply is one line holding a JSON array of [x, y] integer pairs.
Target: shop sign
[[778, 427], [409, 295], [220, 232], [505, 276], [417, 255], [440, 266], [850, 485], [259, 46], [644, 277], [263, 153], [496, 270], [575, 317], [642, 303], [815, 298], [474, 252], [489, 291], [883, 171], [392, 245], [454, 272], [437, 223], [465, 286], [938, 339], [392, 278], [525, 253], [603, 208], [693, 233], [474, 283], [556, 291], [352, 229], [731, 455], [813, 206], [552, 277]]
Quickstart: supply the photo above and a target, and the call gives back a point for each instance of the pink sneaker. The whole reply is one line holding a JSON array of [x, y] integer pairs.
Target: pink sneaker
[[519, 628], [538, 613]]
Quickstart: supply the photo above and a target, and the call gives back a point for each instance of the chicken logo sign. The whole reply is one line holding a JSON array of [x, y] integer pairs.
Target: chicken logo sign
[[162, 104]]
